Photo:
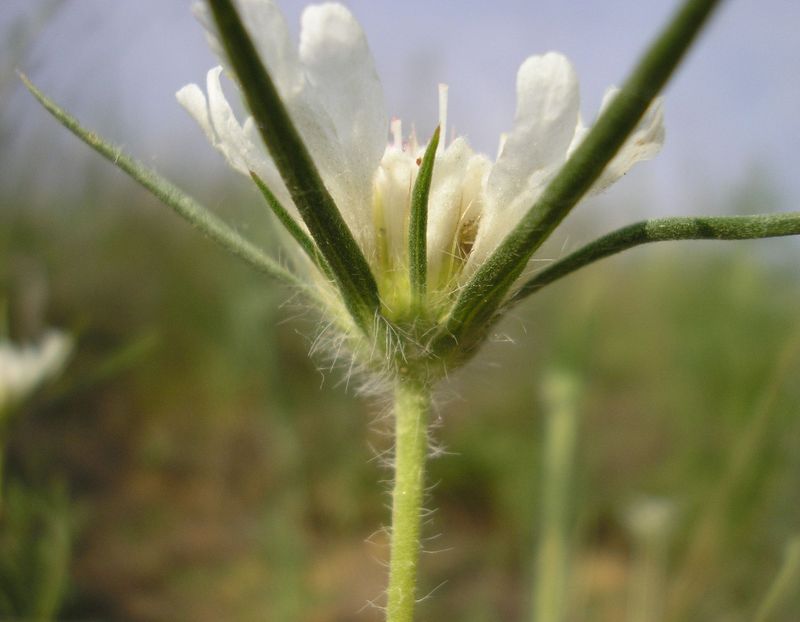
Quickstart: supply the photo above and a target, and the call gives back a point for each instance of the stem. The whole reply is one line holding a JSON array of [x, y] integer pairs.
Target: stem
[[412, 403]]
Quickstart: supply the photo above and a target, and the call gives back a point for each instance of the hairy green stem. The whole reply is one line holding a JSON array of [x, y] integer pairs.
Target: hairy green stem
[[411, 407], [662, 230]]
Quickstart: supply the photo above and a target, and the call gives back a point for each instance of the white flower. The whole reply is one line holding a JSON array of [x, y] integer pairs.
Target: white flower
[[651, 517], [24, 368], [335, 99]]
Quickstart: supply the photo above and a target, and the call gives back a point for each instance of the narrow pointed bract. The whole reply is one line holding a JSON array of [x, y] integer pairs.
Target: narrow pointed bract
[[184, 205], [296, 166], [418, 226], [481, 297], [291, 225]]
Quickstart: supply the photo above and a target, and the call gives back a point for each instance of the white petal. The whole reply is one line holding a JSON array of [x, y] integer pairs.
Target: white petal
[[545, 125], [580, 133], [449, 200], [267, 29], [241, 146], [643, 144], [192, 98], [342, 80], [232, 141], [339, 66], [24, 368], [547, 114], [392, 191], [496, 224]]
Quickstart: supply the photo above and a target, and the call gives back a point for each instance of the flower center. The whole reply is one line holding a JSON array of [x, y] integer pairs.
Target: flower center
[[454, 208]]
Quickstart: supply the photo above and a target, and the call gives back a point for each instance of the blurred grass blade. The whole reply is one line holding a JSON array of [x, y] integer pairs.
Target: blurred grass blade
[[18, 38], [737, 487], [290, 224], [662, 230], [418, 225], [562, 392], [136, 351], [483, 294], [297, 168], [786, 584], [200, 217], [650, 521]]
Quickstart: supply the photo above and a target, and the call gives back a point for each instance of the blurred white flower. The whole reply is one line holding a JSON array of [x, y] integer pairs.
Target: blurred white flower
[[651, 517], [335, 99], [24, 368]]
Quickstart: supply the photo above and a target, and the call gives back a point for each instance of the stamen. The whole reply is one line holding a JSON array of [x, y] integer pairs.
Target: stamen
[[413, 143], [502, 143], [442, 115], [397, 133]]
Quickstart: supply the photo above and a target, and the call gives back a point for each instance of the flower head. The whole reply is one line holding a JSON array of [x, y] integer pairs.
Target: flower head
[[24, 368], [332, 93]]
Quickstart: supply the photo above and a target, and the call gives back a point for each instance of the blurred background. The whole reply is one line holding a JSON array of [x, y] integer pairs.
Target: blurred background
[[192, 463]]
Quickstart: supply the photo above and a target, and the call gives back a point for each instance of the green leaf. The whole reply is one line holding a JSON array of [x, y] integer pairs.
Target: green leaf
[[418, 225], [291, 226], [481, 297], [184, 205], [661, 230], [296, 167]]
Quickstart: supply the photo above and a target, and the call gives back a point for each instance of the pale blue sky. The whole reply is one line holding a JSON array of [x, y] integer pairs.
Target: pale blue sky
[[732, 108]]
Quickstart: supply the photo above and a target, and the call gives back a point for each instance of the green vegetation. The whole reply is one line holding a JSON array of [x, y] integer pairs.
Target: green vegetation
[[220, 474], [634, 456]]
